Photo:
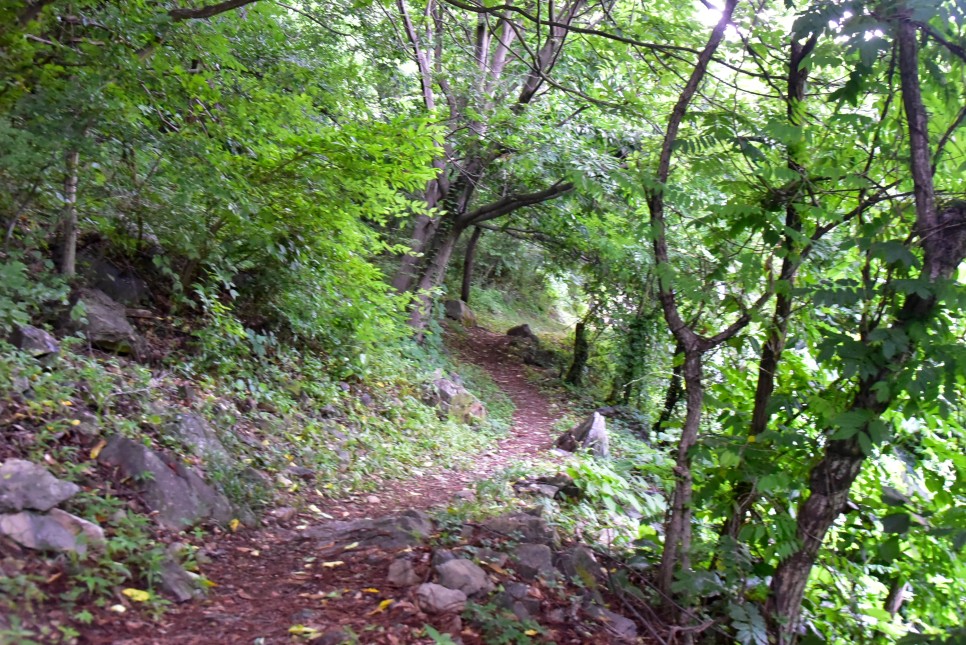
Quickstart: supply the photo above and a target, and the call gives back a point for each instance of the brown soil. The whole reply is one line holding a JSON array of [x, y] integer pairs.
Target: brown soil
[[270, 580]]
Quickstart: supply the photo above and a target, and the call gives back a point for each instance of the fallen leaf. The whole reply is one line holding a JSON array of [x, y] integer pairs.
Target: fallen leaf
[[354, 545], [243, 594], [371, 590], [333, 564], [302, 630], [382, 606], [137, 595], [234, 524], [531, 632], [118, 609]]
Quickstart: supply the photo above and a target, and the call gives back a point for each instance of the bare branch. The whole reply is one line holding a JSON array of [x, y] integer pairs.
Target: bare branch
[[207, 11]]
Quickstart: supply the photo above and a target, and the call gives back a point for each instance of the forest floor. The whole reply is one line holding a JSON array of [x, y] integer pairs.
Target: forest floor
[[266, 581]]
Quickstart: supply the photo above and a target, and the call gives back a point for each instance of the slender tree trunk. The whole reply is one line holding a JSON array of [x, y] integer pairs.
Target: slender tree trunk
[[744, 494], [575, 374], [468, 261], [677, 537], [675, 389], [68, 225], [943, 239]]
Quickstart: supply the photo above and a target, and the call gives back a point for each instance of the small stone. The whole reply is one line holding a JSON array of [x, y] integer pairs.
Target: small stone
[[284, 513], [620, 626], [25, 485], [521, 526], [465, 495], [437, 599], [177, 582], [464, 575], [402, 573], [372, 499], [579, 562]]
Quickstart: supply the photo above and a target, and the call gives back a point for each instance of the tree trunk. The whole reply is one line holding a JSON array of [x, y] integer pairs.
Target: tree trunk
[[943, 239], [575, 374], [68, 224], [468, 261], [674, 389], [677, 535], [432, 277]]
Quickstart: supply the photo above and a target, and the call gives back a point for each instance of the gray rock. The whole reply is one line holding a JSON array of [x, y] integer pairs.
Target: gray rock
[[119, 284], [107, 326], [523, 331], [179, 494], [56, 531], [25, 485], [492, 556], [393, 532], [456, 401], [621, 627], [590, 433], [34, 341], [437, 599], [532, 560], [460, 311], [440, 556], [464, 575], [538, 357], [176, 581], [197, 435], [402, 573], [284, 513], [579, 562], [516, 597], [521, 526]]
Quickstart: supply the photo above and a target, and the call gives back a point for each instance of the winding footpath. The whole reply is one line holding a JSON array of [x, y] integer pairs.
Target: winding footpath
[[269, 581]]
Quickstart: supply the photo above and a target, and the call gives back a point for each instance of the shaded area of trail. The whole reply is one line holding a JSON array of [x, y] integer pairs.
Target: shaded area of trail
[[271, 580]]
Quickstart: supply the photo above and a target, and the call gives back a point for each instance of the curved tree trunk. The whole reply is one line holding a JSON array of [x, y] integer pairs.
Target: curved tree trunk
[[675, 388], [468, 261]]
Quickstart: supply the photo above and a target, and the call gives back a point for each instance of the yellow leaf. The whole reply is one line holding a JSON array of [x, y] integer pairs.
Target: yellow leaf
[[302, 630], [137, 595], [382, 606], [371, 590], [234, 524], [206, 583], [752, 438], [354, 545], [98, 448], [333, 564], [531, 632]]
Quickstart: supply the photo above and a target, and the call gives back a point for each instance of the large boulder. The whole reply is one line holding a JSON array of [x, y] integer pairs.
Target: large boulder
[[458, 403], [393, 532], [53, 531], [197, 435], [590, 433], [122, 285], [25, 485], [460, 311], [34, 341], [178, 494], [107, 326]]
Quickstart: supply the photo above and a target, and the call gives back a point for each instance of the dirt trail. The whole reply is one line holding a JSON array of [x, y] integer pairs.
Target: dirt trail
[[269, 580]]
